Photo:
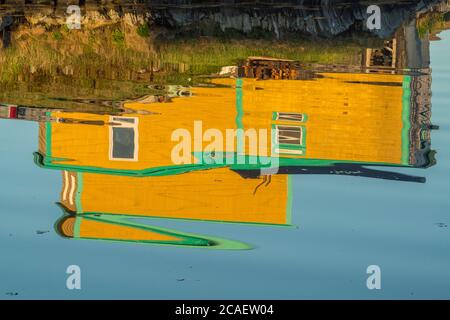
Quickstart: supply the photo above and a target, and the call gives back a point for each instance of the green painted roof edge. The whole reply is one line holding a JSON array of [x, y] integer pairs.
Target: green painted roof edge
[[42, 162], [406, 110], [189, 239]]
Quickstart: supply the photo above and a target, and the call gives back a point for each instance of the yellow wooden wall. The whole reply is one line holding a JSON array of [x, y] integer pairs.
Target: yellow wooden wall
[[108, 231], [351, 117], [348, 118], [216, 194], [88, 145]]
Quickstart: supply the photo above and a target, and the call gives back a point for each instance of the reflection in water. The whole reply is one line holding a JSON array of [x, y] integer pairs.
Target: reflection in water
[[121, 165], [365, 118], [319, 118], [122, 47], [99, 203]]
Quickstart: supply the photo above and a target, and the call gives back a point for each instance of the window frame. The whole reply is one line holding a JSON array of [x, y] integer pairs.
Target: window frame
[[288, 148], [277, 116], [134, 125]]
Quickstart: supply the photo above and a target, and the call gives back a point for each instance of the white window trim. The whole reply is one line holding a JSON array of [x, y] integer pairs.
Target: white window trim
[[289, 151], [292, 113], [277, 135]]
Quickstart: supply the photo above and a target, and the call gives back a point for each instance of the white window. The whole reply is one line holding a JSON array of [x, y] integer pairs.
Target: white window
[[123, 139], [290, 116], [291, 135], [289, 140]]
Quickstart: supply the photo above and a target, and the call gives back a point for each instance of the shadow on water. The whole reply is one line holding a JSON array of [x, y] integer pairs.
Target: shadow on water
[[304, 77]]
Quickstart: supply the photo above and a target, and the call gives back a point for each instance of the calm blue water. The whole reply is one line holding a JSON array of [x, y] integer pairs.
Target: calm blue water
[[341, 226]]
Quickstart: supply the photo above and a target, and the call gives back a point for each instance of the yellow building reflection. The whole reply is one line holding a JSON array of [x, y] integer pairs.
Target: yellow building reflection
[[367, 119], [119, 167], [213, 195], [99, 206]]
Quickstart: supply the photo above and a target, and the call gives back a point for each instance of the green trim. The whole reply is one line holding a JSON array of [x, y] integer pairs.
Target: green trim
[[76, 228], [186, 239], [291, 146], [306, 162], [406, 106], [171, 170], [79, 193], [239, 115], [239, 104], [274, 115], [114, 220], [45, 162], [48, 136], [131, 215], [235, 161], [289, 200]]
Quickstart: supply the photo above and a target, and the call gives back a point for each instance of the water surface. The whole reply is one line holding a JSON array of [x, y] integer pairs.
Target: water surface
[[356, 174]]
